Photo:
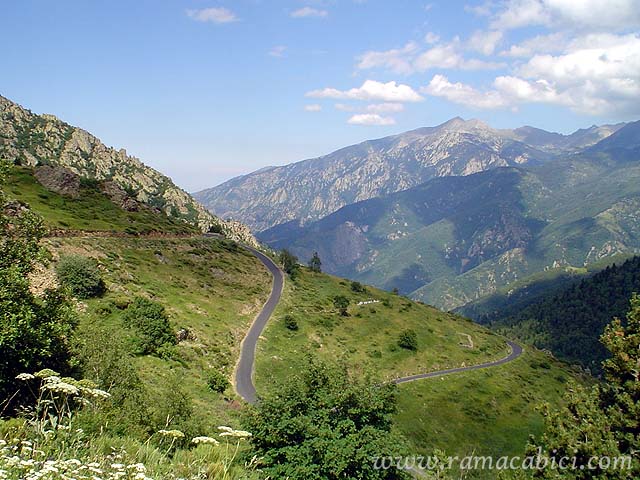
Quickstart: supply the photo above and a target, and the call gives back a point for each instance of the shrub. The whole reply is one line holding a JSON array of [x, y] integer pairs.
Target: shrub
[[408, 340], [217, 382], [151, 325], [341, 303], [81, 276], [358, 287], [325, 423], [290, 322]]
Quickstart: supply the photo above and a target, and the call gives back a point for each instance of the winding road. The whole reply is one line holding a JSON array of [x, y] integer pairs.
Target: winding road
[[244, 368]]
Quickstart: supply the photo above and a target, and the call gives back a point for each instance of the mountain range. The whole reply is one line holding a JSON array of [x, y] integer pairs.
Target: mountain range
[[312, 189], [496, 207]]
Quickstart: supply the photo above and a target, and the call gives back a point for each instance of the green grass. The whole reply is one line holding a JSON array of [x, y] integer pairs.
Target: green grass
[[91, 211], [211, 287], [491, 411]]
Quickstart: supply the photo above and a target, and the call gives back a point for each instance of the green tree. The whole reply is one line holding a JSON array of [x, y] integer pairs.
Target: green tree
[[324, 423], [289, 263], [151, 325], [34, 330], [408, 340], [605, 420], [81, 275], [217, 382], [342, 304], [357, 287], [315, 264]]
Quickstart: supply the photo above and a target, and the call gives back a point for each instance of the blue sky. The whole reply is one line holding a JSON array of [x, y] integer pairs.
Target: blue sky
[[207, 90]]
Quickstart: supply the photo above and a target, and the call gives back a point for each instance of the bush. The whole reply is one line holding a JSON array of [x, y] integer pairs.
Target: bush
[[341, 303], [151, 324], [80, 275], [290, 322], [358, 287], [217, 382], [408, 340]]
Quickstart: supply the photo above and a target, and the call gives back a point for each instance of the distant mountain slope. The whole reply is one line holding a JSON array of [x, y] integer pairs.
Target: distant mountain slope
[[309, 190], [453, 240], [44, 140], [570, 322]]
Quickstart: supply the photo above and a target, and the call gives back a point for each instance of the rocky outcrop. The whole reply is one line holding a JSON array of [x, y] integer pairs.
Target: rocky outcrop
[[59, 180], [59, 151]]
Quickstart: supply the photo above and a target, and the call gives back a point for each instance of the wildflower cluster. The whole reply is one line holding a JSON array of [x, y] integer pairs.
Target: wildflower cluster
[[23, 460]]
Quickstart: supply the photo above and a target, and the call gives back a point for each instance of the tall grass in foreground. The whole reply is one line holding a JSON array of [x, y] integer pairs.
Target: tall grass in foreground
[[46, 442]]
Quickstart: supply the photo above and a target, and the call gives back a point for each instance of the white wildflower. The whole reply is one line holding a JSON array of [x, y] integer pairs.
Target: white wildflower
[[171, 433], [208, 440], [25, 376]]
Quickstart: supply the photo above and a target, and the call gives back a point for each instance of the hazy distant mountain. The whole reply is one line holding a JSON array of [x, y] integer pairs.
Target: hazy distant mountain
[[454, 239], [312, 189], [59, 150]]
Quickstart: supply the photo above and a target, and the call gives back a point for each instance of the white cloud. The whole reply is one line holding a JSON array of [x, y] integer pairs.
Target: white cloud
[[614, 15], [213, 15], [371, 90], [485, 42], [278, 51], [379, 108], [313, 108], [410, 59], [440, 86], [550, 43], [371, 119], [447, 56], [398, 60], [305, 12]]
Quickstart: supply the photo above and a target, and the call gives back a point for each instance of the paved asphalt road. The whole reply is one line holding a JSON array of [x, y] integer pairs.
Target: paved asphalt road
[[244, 368], [516, 351]]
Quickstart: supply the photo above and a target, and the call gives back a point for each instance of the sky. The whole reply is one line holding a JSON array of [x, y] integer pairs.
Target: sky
[[205, 90]]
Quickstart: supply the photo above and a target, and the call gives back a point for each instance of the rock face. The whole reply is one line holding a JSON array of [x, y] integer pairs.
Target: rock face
[[452, 240], [62, 152], [312, 189]]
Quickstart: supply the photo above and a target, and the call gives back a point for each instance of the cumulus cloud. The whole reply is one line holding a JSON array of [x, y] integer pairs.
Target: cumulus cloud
[[371, 119], [213, 15], [463, 94], [485, 42], [611, 14], [314, 107], [549, 43], [306, 12], [411, 59], [398, 60], [371, 90]]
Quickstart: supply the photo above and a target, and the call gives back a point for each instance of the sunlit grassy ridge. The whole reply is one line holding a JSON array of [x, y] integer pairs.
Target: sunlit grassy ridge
[[92, 210]]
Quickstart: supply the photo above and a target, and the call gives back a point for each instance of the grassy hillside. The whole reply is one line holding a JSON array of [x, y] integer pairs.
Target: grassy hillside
[[210, 287], [492, 411], [92, 210]]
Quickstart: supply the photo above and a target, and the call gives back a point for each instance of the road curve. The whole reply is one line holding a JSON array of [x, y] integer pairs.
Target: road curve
[[244, 368], [516, 351]]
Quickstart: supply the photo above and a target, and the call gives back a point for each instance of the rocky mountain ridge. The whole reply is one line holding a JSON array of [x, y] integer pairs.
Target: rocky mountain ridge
[[453, 240], [311, 189], [46, 141]]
